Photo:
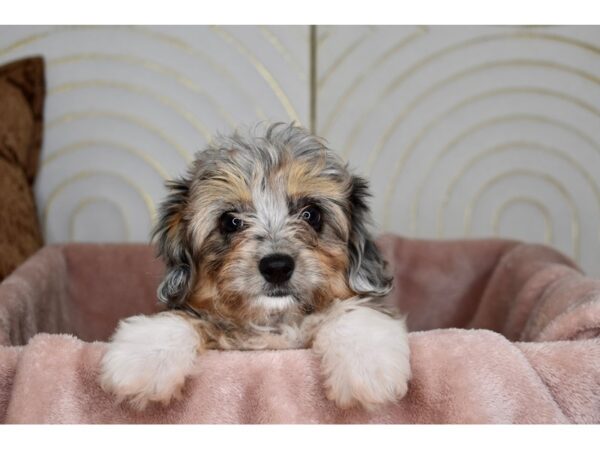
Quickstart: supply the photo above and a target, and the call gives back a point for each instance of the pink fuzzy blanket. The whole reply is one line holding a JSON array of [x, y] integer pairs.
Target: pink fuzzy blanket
[[502, 332]]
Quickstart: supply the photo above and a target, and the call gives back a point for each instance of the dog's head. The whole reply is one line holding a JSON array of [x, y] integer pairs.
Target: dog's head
[[267, 222]]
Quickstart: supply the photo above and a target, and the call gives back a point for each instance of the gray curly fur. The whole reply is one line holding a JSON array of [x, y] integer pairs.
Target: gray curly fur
[[245, 151]]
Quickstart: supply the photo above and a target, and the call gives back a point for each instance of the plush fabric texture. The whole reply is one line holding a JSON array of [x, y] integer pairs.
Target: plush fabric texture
[[502, 332], [22, 92]]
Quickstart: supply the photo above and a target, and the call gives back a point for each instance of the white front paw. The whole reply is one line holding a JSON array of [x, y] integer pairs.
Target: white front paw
[[365, 358], [149, 358]]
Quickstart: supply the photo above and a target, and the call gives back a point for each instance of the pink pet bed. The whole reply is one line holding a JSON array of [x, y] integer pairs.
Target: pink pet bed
[[501, 332]]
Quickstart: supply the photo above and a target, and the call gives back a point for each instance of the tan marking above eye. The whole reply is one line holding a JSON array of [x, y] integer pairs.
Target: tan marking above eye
[[229, 185], [307, 180]]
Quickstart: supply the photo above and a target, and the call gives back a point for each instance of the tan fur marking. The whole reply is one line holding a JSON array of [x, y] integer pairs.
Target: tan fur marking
[[174, 224], [306, 179], [229, 185]]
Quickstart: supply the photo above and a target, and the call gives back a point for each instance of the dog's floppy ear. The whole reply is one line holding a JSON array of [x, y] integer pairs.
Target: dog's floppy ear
[[367, 268], [173, 245]]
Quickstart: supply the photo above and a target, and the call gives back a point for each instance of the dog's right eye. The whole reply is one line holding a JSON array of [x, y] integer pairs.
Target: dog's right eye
[[230, 224]]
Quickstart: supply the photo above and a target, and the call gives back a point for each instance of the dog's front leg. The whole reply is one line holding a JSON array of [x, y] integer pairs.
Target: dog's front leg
[[149, 358], [364, 355]]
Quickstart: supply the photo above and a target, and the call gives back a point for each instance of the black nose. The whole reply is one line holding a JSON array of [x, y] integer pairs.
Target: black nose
[[276, 268]]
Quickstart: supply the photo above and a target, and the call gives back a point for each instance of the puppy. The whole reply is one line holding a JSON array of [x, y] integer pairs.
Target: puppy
[[266, 246]]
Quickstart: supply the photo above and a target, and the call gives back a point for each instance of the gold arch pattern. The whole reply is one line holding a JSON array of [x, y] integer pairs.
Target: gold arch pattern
[[86, 145], [165, 101], [276, 43], [497, 216], [468, 101], [562, 155], [184, 46], [480, 126], [82, 175], [262, 70], [347, 94], [575, 227], [80, 115], [356, 43], [179, 78], [480, 68], [91, 200], [398, 80], [173, 42]]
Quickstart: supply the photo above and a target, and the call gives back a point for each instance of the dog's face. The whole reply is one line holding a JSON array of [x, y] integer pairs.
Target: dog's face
[[265, 224]]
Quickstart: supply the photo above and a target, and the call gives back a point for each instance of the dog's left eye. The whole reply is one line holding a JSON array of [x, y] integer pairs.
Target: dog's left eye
[[230, 224], [312, 215]]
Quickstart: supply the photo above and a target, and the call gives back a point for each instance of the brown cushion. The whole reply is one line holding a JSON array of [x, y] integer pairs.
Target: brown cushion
[[22, 92]]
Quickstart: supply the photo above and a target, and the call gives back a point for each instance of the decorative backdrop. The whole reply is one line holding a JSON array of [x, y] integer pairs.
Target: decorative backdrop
[[463, 131]]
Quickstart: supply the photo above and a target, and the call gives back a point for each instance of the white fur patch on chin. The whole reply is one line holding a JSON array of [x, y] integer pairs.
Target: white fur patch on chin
[[273, 304], [149, 358], [365, 356]]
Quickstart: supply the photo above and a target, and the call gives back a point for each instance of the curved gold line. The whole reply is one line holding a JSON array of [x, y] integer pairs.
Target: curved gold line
[[424, 130], [261, 69], [470, 100], [575, 232], [345, 97], [184, 113], [481, 125], [149, 65], [90, 200], [473, 70], [27, 40], [283, 51], [478, 127], [90, 173], [342, 57], [165, 38], [397, 81], [504, 147], [548, 232], [84, 145], [204, 57], [80, 115]]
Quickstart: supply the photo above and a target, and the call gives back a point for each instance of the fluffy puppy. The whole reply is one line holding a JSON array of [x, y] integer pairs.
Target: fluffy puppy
[[266, 246]]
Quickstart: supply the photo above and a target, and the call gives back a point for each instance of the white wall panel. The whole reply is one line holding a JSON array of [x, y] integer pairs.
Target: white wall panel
[[471, 131]]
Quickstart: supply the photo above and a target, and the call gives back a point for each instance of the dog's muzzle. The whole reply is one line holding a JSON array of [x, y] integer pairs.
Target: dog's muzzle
[[277, 268]]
